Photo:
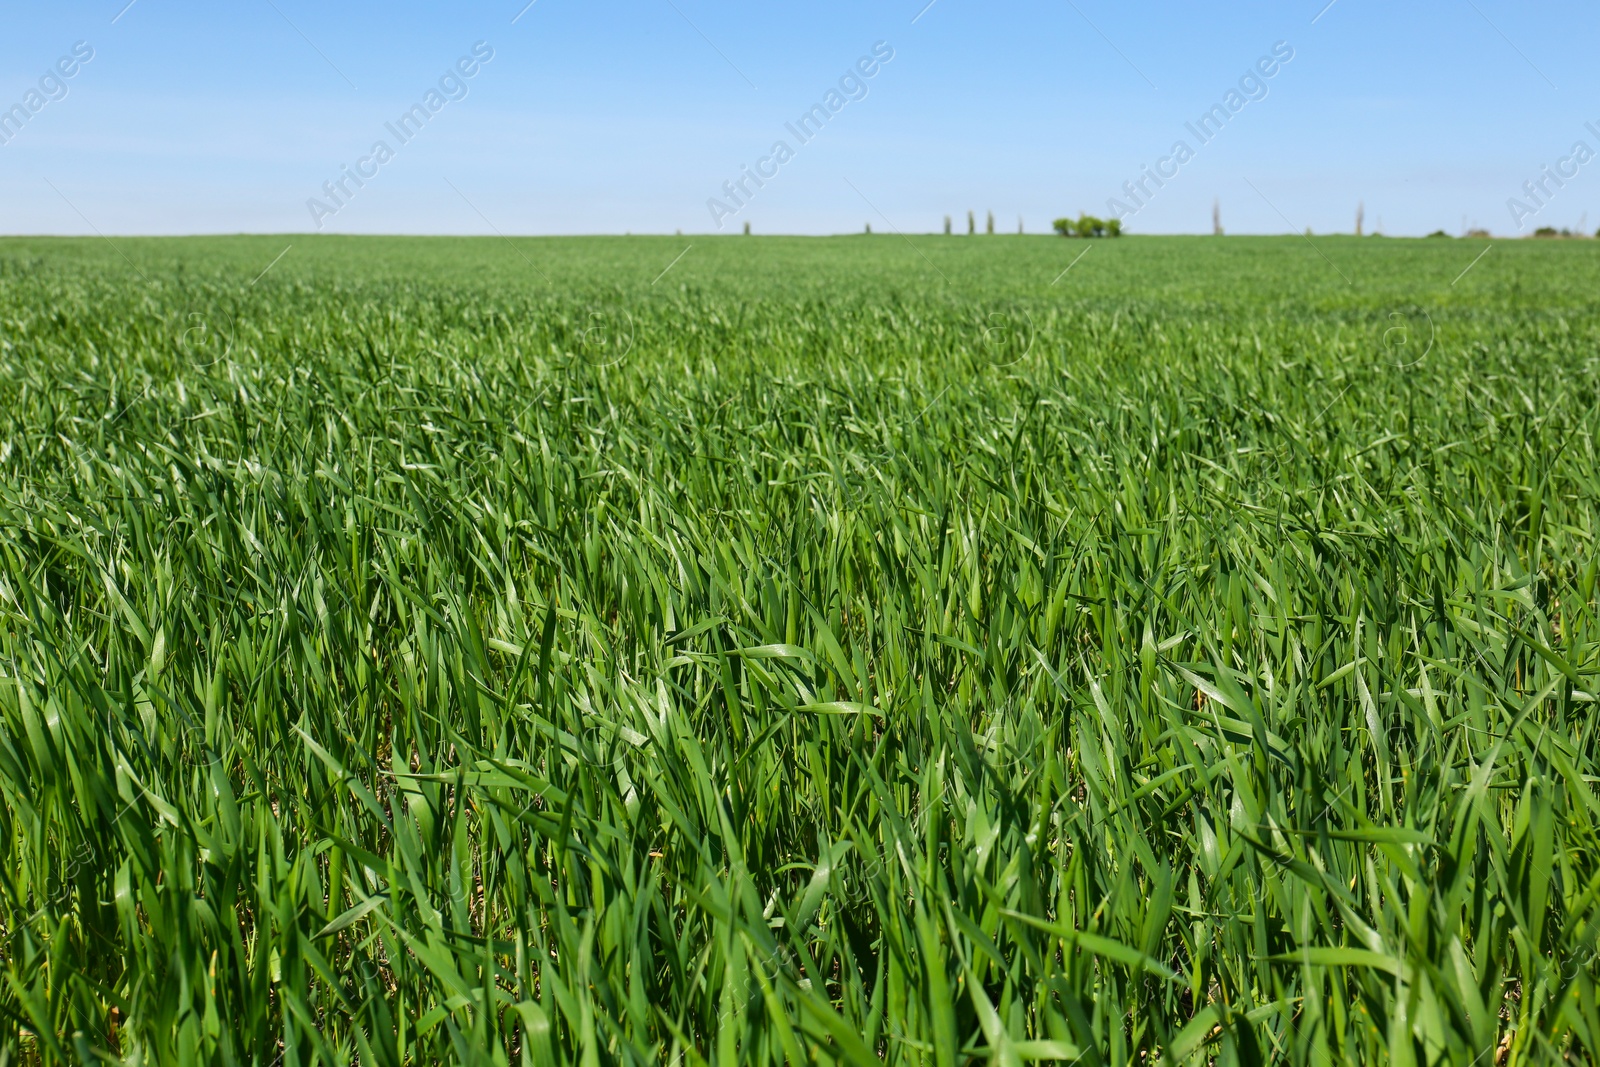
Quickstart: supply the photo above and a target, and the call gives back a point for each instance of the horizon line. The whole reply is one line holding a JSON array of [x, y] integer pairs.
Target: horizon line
[[816, 236]]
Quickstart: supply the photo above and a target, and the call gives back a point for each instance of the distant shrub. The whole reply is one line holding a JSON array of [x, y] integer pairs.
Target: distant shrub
[[1546, 231], [1438, 233], [1088, 226]]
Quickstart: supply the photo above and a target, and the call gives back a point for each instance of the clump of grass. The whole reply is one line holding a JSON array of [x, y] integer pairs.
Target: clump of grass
[[394, 673]]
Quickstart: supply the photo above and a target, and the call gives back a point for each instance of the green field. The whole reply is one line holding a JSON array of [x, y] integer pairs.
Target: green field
[[830, 650]]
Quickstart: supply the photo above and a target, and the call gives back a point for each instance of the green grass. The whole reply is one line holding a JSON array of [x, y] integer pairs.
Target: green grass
[[834, 651]]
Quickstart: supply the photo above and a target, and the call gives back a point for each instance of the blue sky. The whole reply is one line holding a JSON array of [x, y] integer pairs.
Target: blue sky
[[630, 115]]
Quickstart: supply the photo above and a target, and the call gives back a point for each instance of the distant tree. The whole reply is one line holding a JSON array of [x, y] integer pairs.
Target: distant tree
[[1545, 231], [1088, 226], [1438, 233]]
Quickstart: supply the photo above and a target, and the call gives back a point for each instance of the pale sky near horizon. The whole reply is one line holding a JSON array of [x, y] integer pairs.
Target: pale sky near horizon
[[631, 116]]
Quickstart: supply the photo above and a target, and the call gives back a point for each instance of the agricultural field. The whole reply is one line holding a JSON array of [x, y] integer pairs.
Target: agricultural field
[[830, 651]]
